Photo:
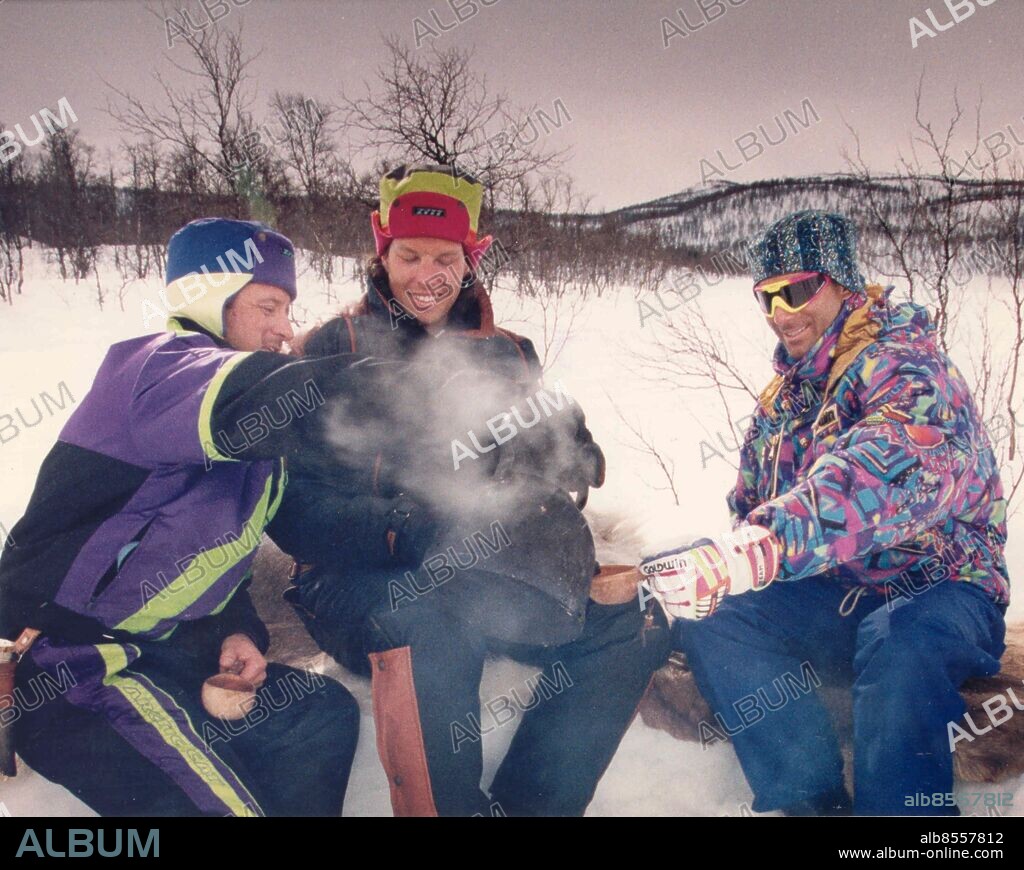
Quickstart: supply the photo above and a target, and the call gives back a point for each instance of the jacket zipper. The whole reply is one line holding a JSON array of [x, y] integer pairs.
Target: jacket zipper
[[777, 448], [111, 573]]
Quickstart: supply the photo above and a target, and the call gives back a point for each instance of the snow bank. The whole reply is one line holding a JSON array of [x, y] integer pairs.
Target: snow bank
[[54, 338]]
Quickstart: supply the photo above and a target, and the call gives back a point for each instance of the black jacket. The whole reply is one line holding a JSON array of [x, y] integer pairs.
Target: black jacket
[[358, 514]]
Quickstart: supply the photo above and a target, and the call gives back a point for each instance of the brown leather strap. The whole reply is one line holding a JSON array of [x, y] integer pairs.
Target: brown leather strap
[[351, 333], [8, 764], [396, 716], [25, 641]]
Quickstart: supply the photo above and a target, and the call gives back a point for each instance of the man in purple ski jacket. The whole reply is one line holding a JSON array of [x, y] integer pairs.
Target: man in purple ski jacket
[[133, 557]]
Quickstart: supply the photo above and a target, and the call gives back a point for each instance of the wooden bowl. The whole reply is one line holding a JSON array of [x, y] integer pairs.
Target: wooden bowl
[[228, 696], [616, 584]]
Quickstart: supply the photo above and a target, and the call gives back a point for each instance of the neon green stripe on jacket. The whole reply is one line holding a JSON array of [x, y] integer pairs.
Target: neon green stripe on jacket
[[202, 572], [206, 408]]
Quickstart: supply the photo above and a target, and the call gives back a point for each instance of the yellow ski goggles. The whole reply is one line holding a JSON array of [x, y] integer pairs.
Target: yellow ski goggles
[[790, 292]]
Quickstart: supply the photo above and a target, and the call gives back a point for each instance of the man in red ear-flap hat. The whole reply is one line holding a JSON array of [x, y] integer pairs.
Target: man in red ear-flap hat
[[413, 570]]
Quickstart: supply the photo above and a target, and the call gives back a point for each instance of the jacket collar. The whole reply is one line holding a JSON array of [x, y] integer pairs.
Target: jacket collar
[[185, 324], [815, 364], [858, 324]]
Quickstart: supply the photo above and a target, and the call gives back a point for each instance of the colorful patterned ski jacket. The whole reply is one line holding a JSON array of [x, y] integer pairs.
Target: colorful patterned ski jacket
[[868, 460]]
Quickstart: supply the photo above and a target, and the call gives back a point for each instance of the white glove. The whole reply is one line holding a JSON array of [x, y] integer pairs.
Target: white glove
[[691, 581]]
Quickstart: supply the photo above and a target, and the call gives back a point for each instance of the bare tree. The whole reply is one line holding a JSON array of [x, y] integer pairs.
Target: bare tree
[[143, 164], [688, 352], [64, 176], [308, 141], [931, 227], [432, 107], [14, 174], [186, 172], [142, 174], [646, 446], [205, 124], [1004, 367], [12, 265], [1009, 211], [956, 222], [548, 264], [261, 177]]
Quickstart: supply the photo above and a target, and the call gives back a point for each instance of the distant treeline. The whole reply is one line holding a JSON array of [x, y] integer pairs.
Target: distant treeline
[[687, 226], [692, 228], [75, 220], [99, 214]]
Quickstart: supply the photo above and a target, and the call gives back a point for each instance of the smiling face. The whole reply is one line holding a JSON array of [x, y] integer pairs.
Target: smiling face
[[257, 318], [425, 275], [798, 331]]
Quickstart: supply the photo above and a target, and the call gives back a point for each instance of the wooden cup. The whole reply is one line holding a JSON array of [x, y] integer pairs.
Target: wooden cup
[[228, 696], [616, 584]]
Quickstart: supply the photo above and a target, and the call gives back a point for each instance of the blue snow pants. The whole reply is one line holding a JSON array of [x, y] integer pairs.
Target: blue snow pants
[[758, 659]]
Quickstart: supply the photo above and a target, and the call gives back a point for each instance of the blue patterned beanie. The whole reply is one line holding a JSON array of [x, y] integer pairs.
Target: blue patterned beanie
[[808, 241]]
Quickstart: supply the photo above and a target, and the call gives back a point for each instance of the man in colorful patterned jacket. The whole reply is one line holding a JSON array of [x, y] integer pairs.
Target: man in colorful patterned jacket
[[869, 492], [134, 554]]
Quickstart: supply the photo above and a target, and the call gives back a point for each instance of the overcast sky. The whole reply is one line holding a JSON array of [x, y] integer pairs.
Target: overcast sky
[[644, 114]]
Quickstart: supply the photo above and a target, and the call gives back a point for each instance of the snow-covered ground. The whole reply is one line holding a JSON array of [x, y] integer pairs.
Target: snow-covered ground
[[54, 337]]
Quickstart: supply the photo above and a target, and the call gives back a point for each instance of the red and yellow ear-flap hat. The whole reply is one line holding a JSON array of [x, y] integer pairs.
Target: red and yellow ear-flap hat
[[439, 202]]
